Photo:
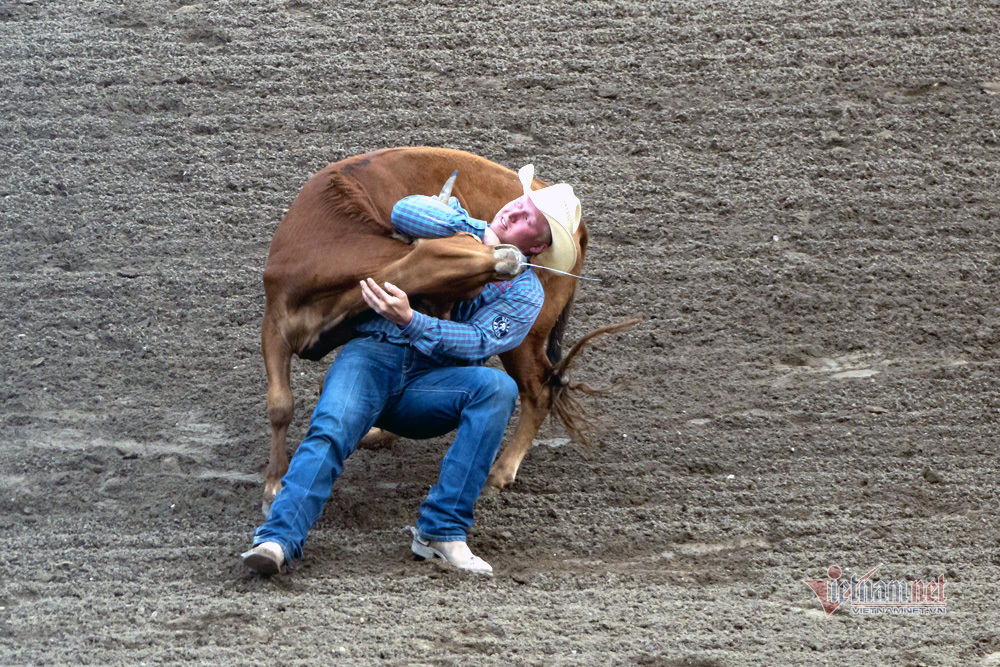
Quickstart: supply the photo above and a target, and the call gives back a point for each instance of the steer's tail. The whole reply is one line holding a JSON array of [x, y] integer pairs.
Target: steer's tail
[[564, 399]]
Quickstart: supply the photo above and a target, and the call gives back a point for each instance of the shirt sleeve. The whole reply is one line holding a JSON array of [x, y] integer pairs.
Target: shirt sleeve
[[498, 324], [423, 217]]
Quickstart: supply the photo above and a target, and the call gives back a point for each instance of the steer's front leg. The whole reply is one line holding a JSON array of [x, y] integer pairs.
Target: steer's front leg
[[452, 268], [440, 266]]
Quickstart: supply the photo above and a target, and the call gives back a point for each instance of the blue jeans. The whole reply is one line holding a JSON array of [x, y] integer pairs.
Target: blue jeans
[[395, 387]]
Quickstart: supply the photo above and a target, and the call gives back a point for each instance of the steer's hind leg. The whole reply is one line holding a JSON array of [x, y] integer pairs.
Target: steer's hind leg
[[277, 362], [529, 366], [533, 411]]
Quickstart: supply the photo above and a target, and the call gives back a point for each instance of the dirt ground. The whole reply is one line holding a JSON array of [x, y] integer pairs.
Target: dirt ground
[[800, 198]]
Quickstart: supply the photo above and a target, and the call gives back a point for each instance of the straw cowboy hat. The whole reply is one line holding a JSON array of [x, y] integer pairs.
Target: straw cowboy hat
[[562, 209]]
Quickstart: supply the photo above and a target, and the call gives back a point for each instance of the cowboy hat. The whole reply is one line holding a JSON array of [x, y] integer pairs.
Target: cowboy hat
[[562, 210]]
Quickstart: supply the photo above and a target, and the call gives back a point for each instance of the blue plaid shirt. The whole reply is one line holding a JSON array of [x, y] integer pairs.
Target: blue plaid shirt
[[495, 321]]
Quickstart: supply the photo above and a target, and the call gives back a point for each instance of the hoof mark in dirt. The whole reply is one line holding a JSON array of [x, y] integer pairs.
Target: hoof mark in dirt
[[553, 442], [662, 661], [706, 548], [918, 93], [861, 373], [207, 37]]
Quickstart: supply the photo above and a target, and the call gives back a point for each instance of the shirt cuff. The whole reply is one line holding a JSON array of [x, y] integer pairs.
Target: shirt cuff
[[417, 326], [478, 225]]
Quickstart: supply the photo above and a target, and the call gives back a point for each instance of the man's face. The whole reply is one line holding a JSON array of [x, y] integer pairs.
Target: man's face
[[521, 224]]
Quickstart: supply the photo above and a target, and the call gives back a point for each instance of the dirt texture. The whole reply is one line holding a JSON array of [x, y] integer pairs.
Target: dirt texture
[[800, 198]]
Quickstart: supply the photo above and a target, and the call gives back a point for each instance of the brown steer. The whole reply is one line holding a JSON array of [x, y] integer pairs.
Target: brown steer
[[338, 231]]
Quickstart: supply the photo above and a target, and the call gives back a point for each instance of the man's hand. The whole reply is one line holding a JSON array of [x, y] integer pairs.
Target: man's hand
[[391, 302]]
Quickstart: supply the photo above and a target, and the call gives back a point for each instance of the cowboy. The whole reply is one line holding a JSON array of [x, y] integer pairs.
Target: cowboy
[[419, 376]]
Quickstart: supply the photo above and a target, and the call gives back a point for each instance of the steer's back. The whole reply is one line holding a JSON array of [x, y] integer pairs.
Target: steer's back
[[338, 229]]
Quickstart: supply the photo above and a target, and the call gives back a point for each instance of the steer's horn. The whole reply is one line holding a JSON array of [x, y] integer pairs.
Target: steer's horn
[[448, 185]]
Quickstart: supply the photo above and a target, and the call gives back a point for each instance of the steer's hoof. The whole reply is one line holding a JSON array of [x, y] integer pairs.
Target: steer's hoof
[[269, 495], [510, 261], [489, 492], [496, 482]]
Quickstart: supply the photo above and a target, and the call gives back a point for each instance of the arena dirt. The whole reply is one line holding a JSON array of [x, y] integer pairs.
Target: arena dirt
[[799, 198]]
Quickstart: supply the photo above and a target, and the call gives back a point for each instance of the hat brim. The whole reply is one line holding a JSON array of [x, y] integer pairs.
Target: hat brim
[[561, 253]]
